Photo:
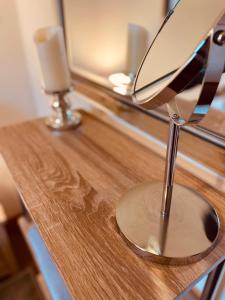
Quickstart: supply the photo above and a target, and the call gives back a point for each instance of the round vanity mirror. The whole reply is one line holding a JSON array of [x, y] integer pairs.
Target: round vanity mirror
[[169, 222], [184, 63]]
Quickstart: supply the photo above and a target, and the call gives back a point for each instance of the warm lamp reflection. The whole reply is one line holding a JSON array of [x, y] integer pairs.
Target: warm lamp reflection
[[122, 90], [119, 79]]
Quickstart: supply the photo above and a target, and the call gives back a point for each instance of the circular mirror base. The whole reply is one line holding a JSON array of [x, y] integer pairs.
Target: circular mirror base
[[186, 236]]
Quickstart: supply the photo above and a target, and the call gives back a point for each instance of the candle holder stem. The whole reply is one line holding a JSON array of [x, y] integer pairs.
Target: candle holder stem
[[62, 117]]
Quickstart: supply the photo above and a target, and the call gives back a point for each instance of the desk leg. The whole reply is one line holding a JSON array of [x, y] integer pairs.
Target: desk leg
[[213, 282]]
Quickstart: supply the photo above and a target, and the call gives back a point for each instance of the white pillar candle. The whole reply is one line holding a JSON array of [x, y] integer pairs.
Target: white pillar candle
[[53, 60], [137, 47]]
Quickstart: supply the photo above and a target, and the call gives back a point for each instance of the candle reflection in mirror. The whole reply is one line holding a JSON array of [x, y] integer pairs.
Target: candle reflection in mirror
[[137, 45]]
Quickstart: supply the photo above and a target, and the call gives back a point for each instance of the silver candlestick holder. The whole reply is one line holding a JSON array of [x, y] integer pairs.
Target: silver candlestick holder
[[62, 117]]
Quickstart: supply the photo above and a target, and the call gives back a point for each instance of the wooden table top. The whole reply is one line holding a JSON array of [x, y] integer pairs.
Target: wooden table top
[[139, 119], [70, 183]]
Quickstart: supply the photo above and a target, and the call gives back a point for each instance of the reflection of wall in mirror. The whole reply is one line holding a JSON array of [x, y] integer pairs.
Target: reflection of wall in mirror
[[97, 31], [137, 45]]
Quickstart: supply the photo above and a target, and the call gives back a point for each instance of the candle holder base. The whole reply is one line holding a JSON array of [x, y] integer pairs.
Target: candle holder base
[[185, 236], [62, 117], [69, 121]]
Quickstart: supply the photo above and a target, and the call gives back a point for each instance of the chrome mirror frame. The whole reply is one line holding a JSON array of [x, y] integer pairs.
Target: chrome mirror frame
[[215, 60]]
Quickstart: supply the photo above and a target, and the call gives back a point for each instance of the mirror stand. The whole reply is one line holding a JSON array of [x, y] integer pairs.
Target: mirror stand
[[170, 224]]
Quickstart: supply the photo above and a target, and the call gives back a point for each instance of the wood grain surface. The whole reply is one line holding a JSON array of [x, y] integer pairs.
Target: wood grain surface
[[156, 127], [70, 183], [214, 121], [189, 144]]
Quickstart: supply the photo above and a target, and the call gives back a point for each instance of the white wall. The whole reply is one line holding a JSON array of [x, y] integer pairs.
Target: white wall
[[20, 89], [33, 15], [15, 93]]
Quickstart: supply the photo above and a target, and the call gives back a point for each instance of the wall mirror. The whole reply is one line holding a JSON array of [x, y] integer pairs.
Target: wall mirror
[[108, 44]]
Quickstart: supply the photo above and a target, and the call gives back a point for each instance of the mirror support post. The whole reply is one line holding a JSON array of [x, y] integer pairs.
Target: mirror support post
[[171, 155]]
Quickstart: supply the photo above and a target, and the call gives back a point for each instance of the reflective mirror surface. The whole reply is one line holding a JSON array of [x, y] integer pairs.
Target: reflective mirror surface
[[176, 61], [106, 42], [107, 39]]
